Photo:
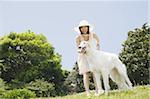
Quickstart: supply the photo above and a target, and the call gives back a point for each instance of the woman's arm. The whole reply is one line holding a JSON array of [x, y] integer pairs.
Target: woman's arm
[[78, 41], [97, 41]]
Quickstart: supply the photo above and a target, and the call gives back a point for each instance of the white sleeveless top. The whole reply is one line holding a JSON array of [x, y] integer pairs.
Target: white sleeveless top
[[82, 61], [90, 41]]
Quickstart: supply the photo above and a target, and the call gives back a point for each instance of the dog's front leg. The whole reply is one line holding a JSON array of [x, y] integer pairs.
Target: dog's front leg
[[106, 82], [98, 84]]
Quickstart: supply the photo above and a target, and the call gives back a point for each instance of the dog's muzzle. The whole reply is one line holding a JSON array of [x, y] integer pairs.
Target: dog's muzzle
[[82, 50]]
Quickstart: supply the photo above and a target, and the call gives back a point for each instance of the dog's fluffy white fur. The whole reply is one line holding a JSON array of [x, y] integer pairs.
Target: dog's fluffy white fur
[[106, 65]]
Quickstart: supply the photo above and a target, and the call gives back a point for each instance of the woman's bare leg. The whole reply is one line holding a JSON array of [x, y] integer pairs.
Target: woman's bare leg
[[86, 83]]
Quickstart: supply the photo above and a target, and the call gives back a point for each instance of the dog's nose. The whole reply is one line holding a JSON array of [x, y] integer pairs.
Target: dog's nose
[[84, 47]]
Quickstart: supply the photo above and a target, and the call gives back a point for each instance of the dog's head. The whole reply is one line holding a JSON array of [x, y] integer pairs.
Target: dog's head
[[83, 47]]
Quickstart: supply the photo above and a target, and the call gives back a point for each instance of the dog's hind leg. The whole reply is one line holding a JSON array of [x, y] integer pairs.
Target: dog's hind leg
[[118, 79], [127, 80], [122, 85], [114, 75], [124, 75], [121, 68]]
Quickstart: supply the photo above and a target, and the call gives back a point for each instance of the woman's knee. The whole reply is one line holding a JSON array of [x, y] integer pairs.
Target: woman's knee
[[86, 75]]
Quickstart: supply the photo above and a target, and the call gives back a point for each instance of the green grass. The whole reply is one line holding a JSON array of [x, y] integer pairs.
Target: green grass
[[140, 92]]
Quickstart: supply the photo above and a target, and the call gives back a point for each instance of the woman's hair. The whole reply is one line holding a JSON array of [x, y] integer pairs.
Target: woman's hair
[[88, 32]]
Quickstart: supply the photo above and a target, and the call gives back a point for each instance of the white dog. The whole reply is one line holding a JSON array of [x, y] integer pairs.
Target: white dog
[[106, 65]]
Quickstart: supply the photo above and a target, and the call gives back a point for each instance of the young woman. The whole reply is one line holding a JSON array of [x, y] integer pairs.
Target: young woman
[[84, 29]]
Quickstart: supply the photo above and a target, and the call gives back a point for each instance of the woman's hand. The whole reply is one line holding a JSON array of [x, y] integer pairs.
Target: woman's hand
[[97, 40], [98, 46]]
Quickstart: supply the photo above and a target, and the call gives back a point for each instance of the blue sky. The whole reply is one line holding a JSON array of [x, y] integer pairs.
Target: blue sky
[[56, 19]]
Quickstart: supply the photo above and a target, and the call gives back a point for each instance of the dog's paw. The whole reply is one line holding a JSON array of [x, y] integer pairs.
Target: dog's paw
[[100, 92], [88, 94], [106, 93]]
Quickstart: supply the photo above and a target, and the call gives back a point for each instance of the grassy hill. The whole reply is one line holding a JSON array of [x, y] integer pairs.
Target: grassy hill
[[139, 92]]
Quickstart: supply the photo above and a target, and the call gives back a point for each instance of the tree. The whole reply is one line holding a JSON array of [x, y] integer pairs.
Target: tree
[[135, 55], [28, 56]]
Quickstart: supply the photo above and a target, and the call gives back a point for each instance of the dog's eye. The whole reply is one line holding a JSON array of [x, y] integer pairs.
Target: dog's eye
[[79, 47]]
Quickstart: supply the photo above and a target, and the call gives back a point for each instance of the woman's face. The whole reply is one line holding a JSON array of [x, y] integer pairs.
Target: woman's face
[[84, 29]]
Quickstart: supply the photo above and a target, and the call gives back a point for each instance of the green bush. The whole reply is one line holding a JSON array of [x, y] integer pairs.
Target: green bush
[[42, 88], [15, 84], [19, 93], [2, 87]]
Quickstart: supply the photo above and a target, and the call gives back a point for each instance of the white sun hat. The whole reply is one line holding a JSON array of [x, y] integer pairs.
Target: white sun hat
[[84, 23]]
